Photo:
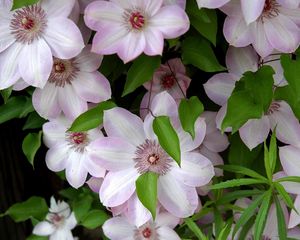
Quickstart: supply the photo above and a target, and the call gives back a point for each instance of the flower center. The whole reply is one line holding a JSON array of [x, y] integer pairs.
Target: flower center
[[77, 140], [270, 9], [63, 72], [150, 156], [56, 219], [28, 24], [274, 107], [137, 20], [146, 233], [168, 81]]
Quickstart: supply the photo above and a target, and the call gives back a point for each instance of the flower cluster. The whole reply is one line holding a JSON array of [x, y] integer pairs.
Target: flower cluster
[[157, 156]]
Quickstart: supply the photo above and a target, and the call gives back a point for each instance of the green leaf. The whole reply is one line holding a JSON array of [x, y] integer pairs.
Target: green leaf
[[231, 196], [282, 232], [195, 229], [261, 217], [33, 207], [140, 72], [16, 107], [198, 52], [23, 3], [239, 153], [246, 228], [242, 170], [94, 219], [273, 152], [69, 193], [286, 197], [203, 20], [35, 237], [288, 179], [224, 234], [91, 118], [237, 183], [248, 213], [146, 189], [189, 111], [218, 221], [291, 71], [82, 205], [240, 108], [6, 94], [33, 121], [167, 137], [31, 145]]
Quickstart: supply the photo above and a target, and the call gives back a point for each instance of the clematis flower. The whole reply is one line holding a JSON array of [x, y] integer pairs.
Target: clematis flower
[[254, 131], [181, 3], [211, 3], [118, 228], [71, 85], [269, 25], [133, 27], [132, 149], [59, 222], [30, 36], [170, 77], [68, 150]]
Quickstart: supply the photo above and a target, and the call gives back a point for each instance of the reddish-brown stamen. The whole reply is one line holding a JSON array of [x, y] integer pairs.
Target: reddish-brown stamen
[[137, 20], [168, 81], [147, 233], [59, 67], [78, 137]]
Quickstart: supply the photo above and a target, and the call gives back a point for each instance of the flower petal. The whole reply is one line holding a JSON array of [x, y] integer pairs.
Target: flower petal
[[60, 8], [216, 141], [118, 228], [295, 217], [43, 228], [289, 158], [255, 131], [166, 233], [71, 104], [55, 131], [71, 221], [178, 199], [154, 42], [119, 122], [88, 61], [166, 219], [38, 65], [6, 38], [211, 3], [168, 108], [93, 168], [9, 72], [282, 33], [75, 170], [95, 184], [56, 157], [195, 171], [286, 123], [118, 187], [219, 87], [45, 101], [171, 21], [241, 60], [112, 153], [92, 86], [63, 37], [214, 157], [252, 9]]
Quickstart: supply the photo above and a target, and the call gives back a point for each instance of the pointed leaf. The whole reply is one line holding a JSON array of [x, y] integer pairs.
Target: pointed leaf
[[189, 111], [167, 137], [195, 229], [31, 145], [92, 118], [242, 170], [81, 205], [237, 183], [140, 72], [282, 229], [94, 219], [286, 197], [231, 196], [6, 94], [146, 189], [23, 3], [33, 121]]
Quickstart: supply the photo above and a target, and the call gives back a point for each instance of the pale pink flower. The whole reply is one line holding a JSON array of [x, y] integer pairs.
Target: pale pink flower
[[132, 149], [254, 131], [118, 228], [31, 36], [180, 3], [170, 77], [129, 28], [211, 3], [5, 5], [68, 150], [58, 223], [72, 84], [270, 25]]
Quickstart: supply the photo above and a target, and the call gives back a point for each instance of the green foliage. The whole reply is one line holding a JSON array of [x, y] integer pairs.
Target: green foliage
[[6, 93], [203, 20], [167, 137], [31, 144], [22, 3], [35, 237], [242, 170], [195, 229], [94, 219], [248, 101], [81, 205], [140, 72], [16, 107], [146, 189], [282, 229], [198, 52], [35, 207], [270, 156], [236, 183], [33, 121], [92, 118], [189, 111]]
